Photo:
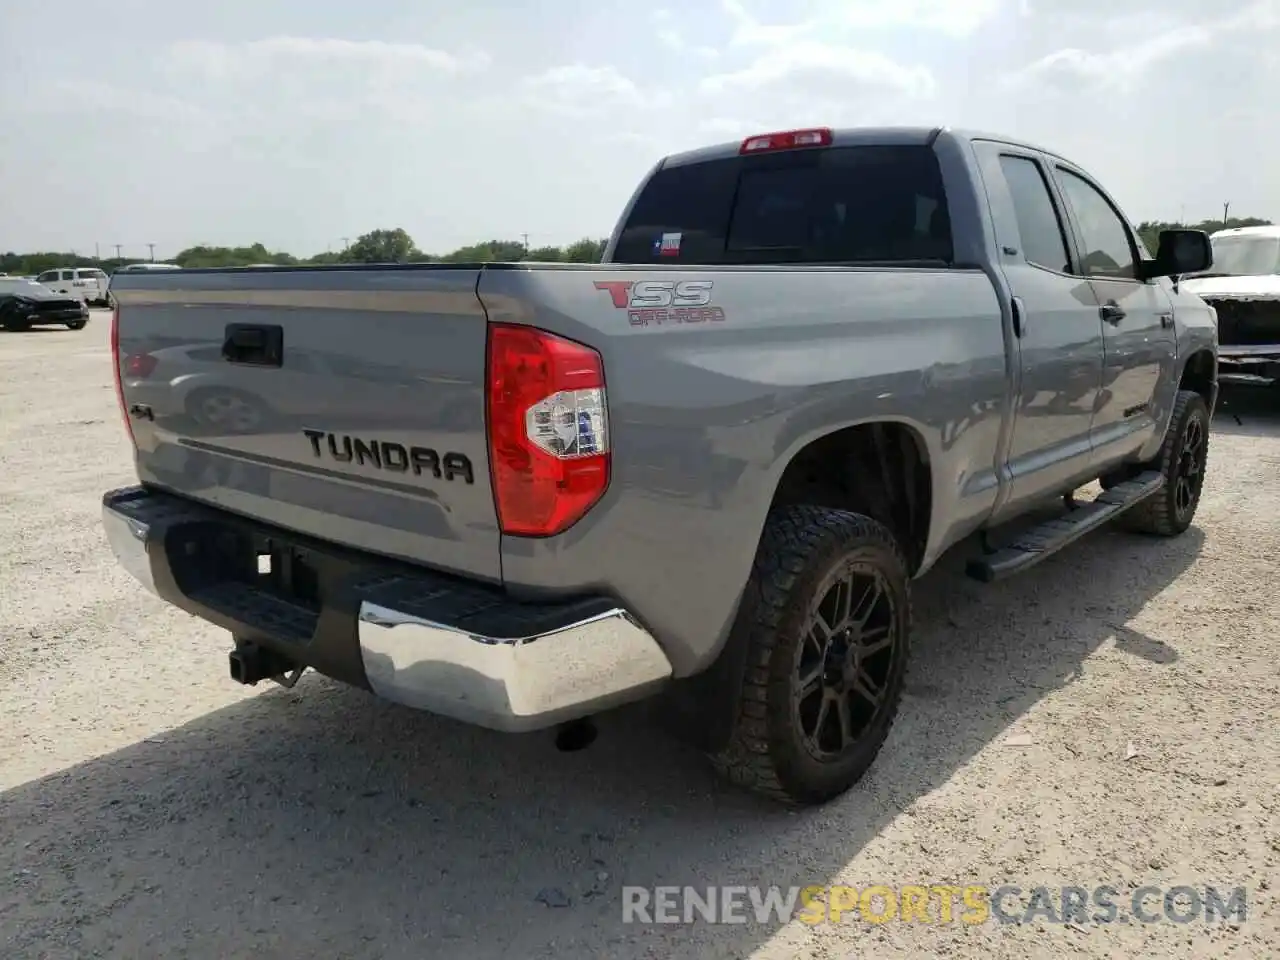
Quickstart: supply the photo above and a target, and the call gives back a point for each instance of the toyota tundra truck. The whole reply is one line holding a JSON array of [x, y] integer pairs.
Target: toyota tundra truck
[[707, 469]]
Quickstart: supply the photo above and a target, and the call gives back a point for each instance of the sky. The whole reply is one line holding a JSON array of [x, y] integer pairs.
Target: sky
[[298, 124]]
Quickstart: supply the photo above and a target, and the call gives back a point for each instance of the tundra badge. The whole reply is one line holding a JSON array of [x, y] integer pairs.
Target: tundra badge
[[387, 455]]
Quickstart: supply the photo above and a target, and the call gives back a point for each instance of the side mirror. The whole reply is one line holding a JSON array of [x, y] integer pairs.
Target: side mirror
[[1180, 251]]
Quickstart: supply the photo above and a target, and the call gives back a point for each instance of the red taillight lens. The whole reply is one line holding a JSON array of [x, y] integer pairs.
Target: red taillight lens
[[139, 365], [115, 366], [787, 140], [548, 430]]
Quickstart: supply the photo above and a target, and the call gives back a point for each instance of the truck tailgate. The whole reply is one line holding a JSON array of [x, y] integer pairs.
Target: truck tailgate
[[347, 404]]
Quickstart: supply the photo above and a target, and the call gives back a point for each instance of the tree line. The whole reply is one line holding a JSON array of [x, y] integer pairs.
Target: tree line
[[376, 246], [396, 246]]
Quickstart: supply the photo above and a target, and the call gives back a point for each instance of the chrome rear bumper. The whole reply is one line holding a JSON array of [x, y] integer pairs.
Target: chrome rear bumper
[[431, 642], [510, 682]]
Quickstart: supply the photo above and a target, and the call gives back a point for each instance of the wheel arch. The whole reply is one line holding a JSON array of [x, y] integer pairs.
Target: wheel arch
[[882, 468], [1200, 373]]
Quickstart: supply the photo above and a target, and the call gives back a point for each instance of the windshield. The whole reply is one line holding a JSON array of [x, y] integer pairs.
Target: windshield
[[1244, 257]]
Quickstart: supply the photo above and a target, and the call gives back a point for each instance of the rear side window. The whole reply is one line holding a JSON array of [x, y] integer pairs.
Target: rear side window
[[866, 204], [1043, 241]]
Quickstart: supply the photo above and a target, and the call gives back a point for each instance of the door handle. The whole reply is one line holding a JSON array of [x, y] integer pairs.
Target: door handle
[[1166, 320], [252, 343], [1112, 312]]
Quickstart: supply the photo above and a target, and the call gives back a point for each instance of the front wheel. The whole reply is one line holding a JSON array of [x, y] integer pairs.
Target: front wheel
[[77, 324], [827, 617], [1182, 460]]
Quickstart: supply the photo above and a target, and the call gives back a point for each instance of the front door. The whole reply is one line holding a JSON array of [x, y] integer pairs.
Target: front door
[[1057, 325], [1140, 344]]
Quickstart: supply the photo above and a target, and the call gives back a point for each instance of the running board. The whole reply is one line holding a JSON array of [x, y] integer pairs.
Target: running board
[[1048, 538]]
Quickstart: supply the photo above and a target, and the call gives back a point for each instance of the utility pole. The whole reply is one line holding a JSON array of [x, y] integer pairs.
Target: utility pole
[[1225, 207], [96, 254], [118, 257], [525, 237], [152, 248]]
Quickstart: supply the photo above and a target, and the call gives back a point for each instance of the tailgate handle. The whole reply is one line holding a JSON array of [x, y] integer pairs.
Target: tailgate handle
[[254, 343]]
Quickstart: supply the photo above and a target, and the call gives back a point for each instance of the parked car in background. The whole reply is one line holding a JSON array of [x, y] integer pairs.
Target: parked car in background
[[26, 303], [87, 283], [1243, 286]]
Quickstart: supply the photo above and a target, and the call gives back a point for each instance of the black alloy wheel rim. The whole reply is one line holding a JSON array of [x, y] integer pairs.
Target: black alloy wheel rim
[[1189, 473], [846, 655]]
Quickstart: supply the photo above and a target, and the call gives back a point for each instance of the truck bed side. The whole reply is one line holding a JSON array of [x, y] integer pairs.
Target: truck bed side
[[707, 409]]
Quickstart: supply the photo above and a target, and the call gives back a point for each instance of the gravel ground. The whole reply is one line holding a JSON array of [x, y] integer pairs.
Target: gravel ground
[[1110, 718]]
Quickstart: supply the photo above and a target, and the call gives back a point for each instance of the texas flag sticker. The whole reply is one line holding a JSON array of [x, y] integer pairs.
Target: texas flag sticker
[[668, 246]]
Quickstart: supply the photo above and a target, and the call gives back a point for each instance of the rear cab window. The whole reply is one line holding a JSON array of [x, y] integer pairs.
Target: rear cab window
[[829, 205]]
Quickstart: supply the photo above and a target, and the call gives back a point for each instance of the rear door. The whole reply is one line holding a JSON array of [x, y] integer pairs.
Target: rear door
[[1059, 328], [1140, 344], [91, 283]]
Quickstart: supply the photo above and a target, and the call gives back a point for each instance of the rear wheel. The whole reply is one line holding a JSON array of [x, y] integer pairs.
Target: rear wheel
[[827, 617], [77, 324], [1182, 460]]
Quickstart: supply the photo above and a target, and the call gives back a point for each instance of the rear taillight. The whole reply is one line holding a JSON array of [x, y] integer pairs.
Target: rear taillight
[[787, 140], [139, 365], [115, 366], [548, 430]]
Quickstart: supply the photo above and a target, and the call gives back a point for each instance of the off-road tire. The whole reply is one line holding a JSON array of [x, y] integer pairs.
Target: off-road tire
[[800, 547], [1159, 514]]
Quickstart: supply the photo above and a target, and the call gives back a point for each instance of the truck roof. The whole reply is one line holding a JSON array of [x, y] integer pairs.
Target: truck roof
[[855, 136]]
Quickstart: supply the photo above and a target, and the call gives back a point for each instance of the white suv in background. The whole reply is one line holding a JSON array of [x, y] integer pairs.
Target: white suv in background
[[87, 283]]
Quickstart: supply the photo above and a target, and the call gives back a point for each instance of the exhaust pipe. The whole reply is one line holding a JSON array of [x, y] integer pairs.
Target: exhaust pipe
[[250, 663]]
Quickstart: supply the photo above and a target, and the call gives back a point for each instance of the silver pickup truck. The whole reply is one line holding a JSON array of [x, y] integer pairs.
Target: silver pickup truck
[[708, 468]]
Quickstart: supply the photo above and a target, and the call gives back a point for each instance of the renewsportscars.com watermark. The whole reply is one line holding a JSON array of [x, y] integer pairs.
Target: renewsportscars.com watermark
[[934, 904]]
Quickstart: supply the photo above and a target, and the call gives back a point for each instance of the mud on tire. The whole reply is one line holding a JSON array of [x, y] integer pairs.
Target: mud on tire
[[827, 620]]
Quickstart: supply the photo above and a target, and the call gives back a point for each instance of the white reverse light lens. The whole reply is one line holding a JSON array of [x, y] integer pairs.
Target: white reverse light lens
[[569, 424]]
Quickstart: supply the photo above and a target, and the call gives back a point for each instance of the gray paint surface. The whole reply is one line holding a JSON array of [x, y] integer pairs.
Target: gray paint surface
[[704, 417]]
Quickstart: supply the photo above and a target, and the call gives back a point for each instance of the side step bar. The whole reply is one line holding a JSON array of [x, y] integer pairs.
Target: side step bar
[[1051, 536]]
